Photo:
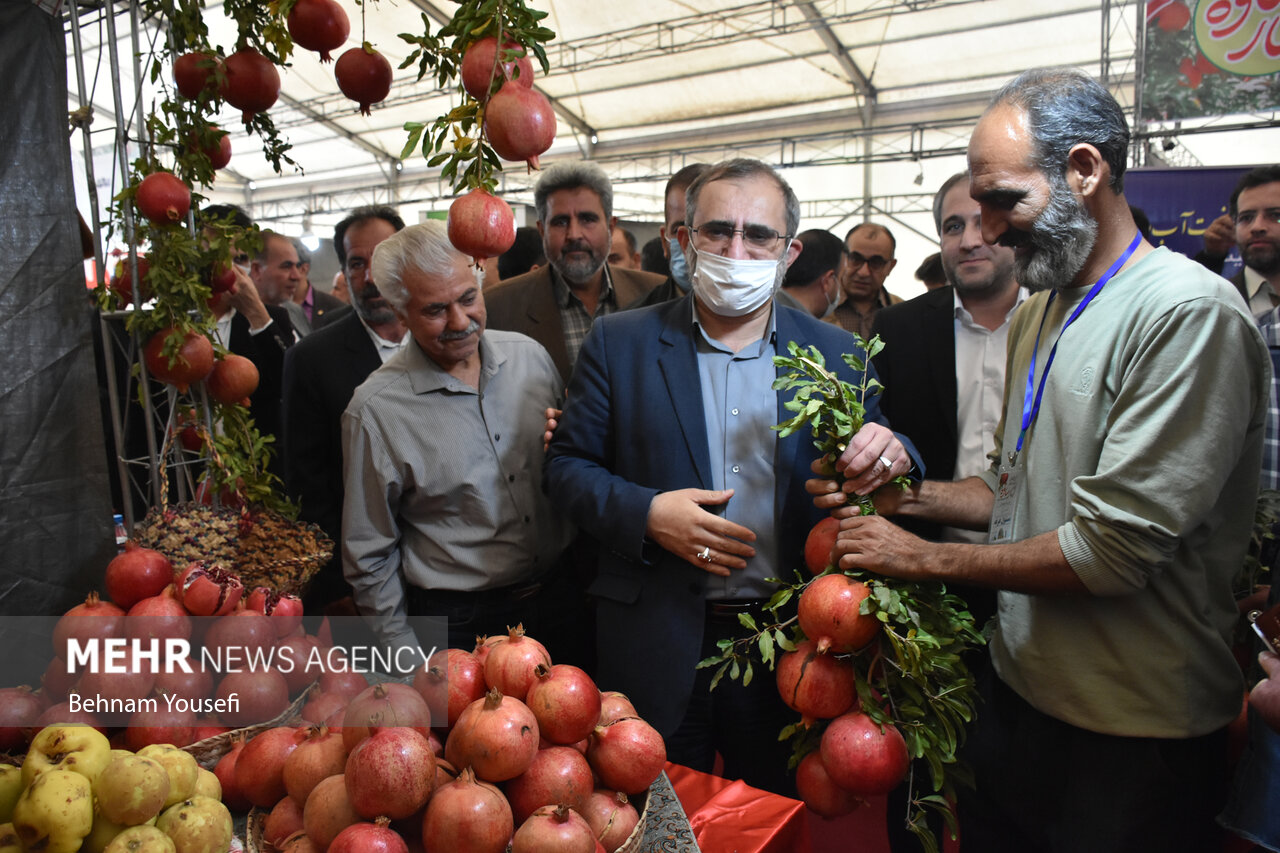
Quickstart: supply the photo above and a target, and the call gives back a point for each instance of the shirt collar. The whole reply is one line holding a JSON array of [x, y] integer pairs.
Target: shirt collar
[[962, 313], [561, 291], [766, 343], [426, 376], [1253, 281]]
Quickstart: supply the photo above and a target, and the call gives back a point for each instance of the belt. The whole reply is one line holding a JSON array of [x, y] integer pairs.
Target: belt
[[514, 592], [730, 608]]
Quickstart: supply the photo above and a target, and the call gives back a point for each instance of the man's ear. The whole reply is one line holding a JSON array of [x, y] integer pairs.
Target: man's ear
[[1087, 170], [793, 251], [684, 235]]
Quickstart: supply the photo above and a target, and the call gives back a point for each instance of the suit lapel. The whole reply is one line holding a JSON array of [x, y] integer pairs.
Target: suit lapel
[[678, 362], [544, 312], [942, 361]]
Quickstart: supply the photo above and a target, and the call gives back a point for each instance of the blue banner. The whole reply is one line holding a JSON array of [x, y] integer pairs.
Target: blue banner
[[1181, 203]]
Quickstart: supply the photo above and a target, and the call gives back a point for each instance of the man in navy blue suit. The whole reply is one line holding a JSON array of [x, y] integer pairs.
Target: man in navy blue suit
[[665, 454]]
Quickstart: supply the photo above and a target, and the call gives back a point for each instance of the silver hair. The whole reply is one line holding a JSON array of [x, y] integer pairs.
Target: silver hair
[[942, 195], [1064, 108], [571, 176], [424, 247], [742, 167]]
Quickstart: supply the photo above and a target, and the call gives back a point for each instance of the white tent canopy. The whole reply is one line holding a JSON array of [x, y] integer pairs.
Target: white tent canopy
[[866, 104]]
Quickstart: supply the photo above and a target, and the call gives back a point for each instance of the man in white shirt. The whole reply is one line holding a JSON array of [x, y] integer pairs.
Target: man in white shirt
[[1253, 225]]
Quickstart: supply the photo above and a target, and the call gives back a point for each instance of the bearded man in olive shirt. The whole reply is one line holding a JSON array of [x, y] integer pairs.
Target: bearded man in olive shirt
[[444, 514]]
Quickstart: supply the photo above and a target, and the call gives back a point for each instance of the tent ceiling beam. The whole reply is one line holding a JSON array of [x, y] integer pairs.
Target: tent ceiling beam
[[856, 78]]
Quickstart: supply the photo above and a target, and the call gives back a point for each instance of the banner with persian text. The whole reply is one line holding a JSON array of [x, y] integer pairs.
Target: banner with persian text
[[1210, 57], [1182, 202]]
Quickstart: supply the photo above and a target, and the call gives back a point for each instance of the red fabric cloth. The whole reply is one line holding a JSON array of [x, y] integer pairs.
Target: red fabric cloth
[[732, 817]]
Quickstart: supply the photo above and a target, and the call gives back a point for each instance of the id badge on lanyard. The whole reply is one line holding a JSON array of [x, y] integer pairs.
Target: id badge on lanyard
[[1012, 468]]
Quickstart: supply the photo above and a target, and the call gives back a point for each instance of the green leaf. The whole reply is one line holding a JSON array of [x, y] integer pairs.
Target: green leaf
[[746, 620], [715, 679]]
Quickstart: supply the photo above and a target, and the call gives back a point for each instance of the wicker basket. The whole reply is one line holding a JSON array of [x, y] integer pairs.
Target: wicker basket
[[261, 546], [209, 751]]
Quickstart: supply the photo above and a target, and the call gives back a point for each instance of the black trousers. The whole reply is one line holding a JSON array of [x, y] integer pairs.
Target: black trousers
[[740, 723], [1044, 785], [554, 611]]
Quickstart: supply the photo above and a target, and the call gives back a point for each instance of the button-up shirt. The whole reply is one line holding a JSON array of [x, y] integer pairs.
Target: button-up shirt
[[443, 481], [573, 314], [848, 317], [740, 408], [1269, 325]]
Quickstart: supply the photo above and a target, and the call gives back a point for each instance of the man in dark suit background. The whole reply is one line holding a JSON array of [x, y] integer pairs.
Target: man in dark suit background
[[321, 373], [673, 210], [557, 303], [310, 303], [665, 455]]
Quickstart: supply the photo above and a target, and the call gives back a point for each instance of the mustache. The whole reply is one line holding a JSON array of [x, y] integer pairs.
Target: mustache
[[577, 246], [471, 329], [1012, 238]]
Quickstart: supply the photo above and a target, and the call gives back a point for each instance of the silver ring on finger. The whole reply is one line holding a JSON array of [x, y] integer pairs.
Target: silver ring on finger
[[888, 465], [705, 554]]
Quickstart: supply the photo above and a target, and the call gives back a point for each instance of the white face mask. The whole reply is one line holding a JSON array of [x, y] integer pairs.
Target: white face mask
[[832, 301], [732, 287], [678, 266]]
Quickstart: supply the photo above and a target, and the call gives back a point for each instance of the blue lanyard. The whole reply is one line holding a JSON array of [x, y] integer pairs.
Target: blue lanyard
[[1030, 403]]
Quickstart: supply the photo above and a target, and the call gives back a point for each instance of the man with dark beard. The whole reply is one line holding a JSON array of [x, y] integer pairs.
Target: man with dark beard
[[1119, 499], [1253, 225], [557, 303], [320, 374]]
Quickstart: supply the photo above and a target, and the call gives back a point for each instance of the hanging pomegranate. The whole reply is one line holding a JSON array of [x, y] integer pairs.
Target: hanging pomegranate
[[219, 153], [192, 72], [861, 756], [192, 362], [519, 123], [232, 379], [251, 82], [122, 282], [829, 614], [364, 76], [479, 65], [163, 199], [817, 685], [818, 544], [481, 225], [318, 25]]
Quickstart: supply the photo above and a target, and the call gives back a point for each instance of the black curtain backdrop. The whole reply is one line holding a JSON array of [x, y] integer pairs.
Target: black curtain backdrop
[[56, 536]]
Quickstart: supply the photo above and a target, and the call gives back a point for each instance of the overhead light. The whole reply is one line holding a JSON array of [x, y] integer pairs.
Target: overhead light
[[309, 238], [253, 185], [399, 166], [594, 139], [919, 179]]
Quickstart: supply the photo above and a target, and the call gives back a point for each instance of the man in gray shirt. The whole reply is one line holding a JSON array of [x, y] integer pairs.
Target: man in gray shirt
[[444, 515]]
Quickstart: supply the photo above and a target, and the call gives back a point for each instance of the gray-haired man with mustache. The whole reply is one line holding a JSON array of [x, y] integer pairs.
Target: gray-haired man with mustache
[[444, 514]]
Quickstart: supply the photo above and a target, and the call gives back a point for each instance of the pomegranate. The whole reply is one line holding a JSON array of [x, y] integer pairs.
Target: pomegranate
[[383, 705], [317, 758], [369, 838], [481, 225], [161, 725], [208, 590], [829, 614], [519, 123], [557, 775], [363, 75], [611, 817], [449, 681], [251, 82], [240, 641], [136, 574], [328, 811], [205, 729], [193, 72], [480, 67], [284, 820], [233, 378], [817, 685], [190, 363], [323, 706], [220, 277], [512, 661], [497, 736], [483, 646], [19, 708], [293, 658], [554, 829], [819, 793], [260, 696], [344, 683], [219, 154], [284, 610], [615, 706], [225, 770], [197, 684], [161, 617], [467, 816], [94, 619], [62, 715], [163, 199], [863, 757], [260, 767], [565, 702], [391, 772], [122, 282], [299, 842], [57, 680], [627, 755], [318, 25], [818, 544]]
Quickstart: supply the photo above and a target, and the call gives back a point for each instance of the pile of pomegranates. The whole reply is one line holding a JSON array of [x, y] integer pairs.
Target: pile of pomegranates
[[487, 748]]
